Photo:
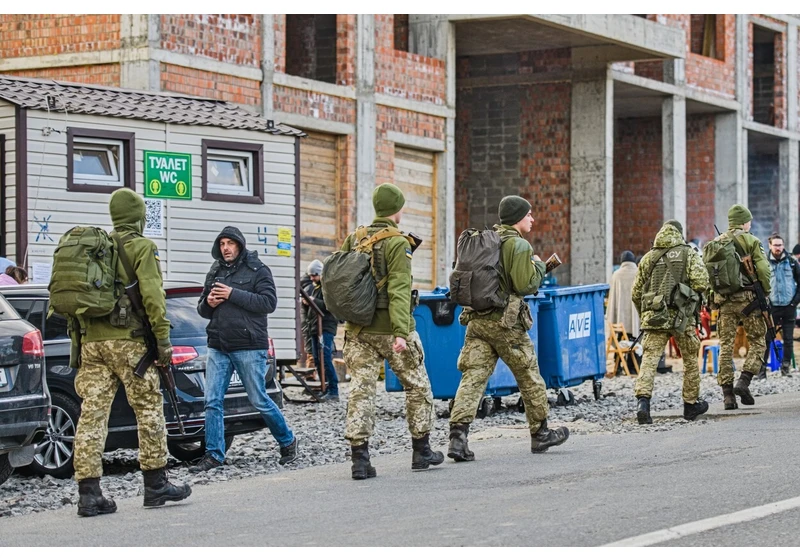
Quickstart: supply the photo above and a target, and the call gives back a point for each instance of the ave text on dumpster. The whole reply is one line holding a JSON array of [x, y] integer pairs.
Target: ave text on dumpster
[[580, 325]]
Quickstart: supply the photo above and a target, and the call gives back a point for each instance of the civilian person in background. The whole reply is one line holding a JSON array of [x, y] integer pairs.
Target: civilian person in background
[[5, 263], [14, 275], [784, 297], [620, 306], [796, 252], [305, 283], [329, 327]]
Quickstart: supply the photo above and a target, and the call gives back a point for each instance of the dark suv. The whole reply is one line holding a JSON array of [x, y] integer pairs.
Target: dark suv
[[24, 400], [54, 454]]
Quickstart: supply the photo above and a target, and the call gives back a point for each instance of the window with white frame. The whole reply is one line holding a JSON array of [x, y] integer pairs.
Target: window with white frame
[[98, 161], [229, 172]]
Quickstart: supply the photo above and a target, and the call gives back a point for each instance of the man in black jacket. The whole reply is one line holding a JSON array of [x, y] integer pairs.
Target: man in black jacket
[[329, 326], [239, 293]]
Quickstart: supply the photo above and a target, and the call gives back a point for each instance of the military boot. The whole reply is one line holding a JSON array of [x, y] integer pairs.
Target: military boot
[[785, 370], [692, 411], [762, 375], [545, 438], [459, 447], [741, 388], [423, 456], [158, 489], [728, 397], [361, 468], [643, 411], [91, 501]]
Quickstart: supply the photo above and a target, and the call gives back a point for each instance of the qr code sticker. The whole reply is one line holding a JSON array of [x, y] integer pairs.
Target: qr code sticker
[[154, 217]]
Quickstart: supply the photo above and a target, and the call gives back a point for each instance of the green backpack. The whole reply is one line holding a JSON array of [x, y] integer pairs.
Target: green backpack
[[84, 280], [724, 264]]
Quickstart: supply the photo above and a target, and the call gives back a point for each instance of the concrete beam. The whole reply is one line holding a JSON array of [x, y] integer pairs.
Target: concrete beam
[[306, 123], [413, 105], [671, 89], [140, 35], [788, 197], [772, 130], [306, 84], [673, 158], [267, 64], [366, 117], [730, 166]]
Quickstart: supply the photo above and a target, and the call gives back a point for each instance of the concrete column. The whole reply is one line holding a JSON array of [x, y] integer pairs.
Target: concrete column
[[791, 76], [139, 35], [730, 166], [675, 71], [789, 177], [591, 180], [743, 56], [673, 157], [366, 116], [267, 63]]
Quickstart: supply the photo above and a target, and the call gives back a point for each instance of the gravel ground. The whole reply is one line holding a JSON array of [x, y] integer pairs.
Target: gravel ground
[[320, 428]]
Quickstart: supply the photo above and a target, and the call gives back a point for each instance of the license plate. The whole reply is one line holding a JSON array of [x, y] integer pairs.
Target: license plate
[[235, 379], [3, 377]]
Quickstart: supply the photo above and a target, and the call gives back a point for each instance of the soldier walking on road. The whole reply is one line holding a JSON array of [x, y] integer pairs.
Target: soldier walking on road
[[502, 331], [667, 294]]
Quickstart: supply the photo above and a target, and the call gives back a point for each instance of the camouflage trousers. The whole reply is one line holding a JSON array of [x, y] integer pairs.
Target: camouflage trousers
[[364, 354], [487, 340], [730, 313], [653, 344], [104, 365]]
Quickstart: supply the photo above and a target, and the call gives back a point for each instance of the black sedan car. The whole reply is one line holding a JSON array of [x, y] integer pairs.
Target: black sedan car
[[54, 453], [24, 400]]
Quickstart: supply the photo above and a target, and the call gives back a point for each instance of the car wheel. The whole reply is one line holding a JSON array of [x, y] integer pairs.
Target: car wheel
[[55, 453], [192, 450], [5, 468]]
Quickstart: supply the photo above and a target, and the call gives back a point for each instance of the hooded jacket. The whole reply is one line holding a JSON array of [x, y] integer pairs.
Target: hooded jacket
[[785, 280], [127, 214], [240, 322]]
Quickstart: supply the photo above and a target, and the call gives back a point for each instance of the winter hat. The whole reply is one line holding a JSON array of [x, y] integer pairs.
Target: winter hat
[[512, 209], [315, 268], [676, 224], [387, 200], [796, 250], [627, 256], [738, 215]]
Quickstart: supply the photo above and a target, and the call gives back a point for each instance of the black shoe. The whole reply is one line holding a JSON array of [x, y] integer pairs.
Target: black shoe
[[207, 463], [91, 501], [289, 453], [785, 370], [459, 446], [692, 411], [423, 456], [762, 375], [742, 388], [158, 490], [545, 438], [728, 397], [643, 410], [361, 469]]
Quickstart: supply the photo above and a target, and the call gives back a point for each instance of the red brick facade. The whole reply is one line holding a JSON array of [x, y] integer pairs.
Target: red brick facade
[[210, 84], [97, 74], [48, 34], [700, 177], [231, 38]]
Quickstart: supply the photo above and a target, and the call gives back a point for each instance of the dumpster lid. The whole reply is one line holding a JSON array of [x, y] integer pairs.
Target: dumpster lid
[[443, 292], [572, 290]]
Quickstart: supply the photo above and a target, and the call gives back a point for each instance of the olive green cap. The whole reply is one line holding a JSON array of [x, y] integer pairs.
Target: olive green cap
[[512, 209], [738, 215], [387, 200]]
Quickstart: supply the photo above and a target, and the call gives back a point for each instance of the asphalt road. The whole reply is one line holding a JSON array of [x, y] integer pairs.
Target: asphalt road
[[593, 490]]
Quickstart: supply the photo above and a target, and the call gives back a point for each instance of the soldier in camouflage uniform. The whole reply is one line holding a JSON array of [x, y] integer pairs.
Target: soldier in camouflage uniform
[[110, 351], [503, 333], [665, 313], [391, 336], [730, 314]]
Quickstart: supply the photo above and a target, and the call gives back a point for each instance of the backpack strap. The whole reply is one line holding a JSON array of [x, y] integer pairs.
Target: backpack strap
[[123, 257]]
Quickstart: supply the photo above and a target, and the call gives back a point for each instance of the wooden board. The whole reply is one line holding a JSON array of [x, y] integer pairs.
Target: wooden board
[[319, 208]]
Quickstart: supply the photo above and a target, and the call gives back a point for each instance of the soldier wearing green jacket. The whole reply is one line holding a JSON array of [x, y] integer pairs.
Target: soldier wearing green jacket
[[111, 347], [391, 336], [503, 332]]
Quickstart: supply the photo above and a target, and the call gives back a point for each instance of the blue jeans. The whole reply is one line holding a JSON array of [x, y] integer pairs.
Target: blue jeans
[[251, 365], [330, 370]]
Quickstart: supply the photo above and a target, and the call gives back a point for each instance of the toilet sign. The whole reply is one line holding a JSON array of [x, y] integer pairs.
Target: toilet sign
[[167, 175]]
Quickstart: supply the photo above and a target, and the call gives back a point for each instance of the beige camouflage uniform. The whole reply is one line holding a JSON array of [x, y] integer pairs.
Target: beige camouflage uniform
[[655, 339]]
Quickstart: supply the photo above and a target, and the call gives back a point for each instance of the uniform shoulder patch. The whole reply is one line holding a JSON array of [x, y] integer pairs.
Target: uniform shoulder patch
[[156, 255], [409, 254]]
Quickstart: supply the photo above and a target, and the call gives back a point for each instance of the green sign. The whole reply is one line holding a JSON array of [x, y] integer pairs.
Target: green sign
[[167, 175]]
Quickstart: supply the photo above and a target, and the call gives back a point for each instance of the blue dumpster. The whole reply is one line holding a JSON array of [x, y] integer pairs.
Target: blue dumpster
[[572, 330], [442, 338]]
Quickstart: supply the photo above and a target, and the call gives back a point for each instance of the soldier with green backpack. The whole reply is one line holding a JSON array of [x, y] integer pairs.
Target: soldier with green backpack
[[666, 292]]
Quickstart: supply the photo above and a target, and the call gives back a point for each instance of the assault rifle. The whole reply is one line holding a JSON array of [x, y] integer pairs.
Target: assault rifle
[[761, 302]]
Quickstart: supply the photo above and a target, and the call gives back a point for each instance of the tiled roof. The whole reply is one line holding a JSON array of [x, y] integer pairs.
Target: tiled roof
[[132, 104]]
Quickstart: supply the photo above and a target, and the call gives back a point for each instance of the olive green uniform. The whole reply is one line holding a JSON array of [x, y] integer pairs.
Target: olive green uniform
[[366, 348], [490, 336], [110, 352], [658, 332]]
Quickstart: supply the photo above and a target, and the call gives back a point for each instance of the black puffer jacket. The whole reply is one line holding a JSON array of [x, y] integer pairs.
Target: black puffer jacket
[[240, 323]]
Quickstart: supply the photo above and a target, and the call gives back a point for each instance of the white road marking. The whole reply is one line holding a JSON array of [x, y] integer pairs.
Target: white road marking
[[703, 525]]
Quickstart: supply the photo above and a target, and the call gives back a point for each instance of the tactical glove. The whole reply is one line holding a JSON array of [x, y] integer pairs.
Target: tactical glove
[[164, 352]]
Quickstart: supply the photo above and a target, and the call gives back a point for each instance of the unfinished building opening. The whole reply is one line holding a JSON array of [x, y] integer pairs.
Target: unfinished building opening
[[707, 35], [401, 32], [311, 46], [763, 75], [763, 188]]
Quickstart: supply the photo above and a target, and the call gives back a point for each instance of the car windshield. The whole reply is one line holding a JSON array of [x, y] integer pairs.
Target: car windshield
[[6, 311], [183, 316]]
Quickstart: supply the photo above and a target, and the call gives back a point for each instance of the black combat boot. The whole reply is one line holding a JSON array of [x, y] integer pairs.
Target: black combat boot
[[728, 397], [459, 447], [545, 438], [692, 411], [643, 411], [362, 468], [158, 489], [741, 389], [785, 369], [91, 501], [762, 375], [423, 456]]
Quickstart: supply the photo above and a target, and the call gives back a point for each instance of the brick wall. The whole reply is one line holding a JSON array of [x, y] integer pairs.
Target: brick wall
[[231, 38], [401, 32], [48, 34], [311, 46], [700, 177], [210, 84], [763, 191], [97, 74], [404, 122], [650, 69], [316, 105], [346, 49], [638, 206]]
